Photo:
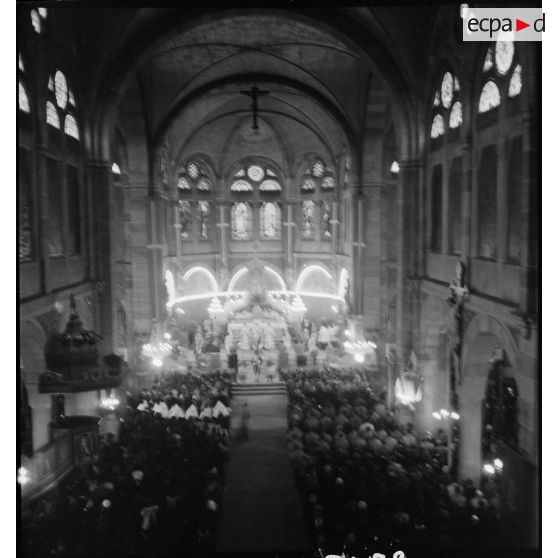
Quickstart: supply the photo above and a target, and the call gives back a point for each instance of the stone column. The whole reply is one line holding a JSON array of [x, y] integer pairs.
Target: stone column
[[100, 182], [43, 205], [407, 221]]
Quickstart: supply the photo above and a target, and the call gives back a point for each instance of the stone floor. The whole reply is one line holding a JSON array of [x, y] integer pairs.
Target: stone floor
[[261, 506]]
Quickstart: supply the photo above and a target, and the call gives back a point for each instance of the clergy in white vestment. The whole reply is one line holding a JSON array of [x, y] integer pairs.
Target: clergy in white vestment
[[192, 412], [206, 413], [161, 408], [176, 411], [143, 406], [220, 410]]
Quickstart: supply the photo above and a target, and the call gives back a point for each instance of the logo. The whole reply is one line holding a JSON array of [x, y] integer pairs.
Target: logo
[[502, 24]]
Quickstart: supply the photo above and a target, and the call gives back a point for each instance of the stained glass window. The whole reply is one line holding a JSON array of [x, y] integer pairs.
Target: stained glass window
[[270, 221], [43, 12], [36, 21], [203, 218], [185, 215], [52, 117], [437, 99], [61, 89], [447, 90], [182, 183], [308, 219], [240, 173], [269, 172], [23, 99], [204, 185], [51, 83], [325, 220], [71, 98], [503, 55], [241, 186], [193, 170], [394, 167], [255, 173], [438, 127], [489, 97], [456, 115], [308, 185], [515, 82], [456, 84], [488, 61], [71, 126], [269, 185], [116, 168], [241, 221], [20, 63], [328, 183], [318, 169]]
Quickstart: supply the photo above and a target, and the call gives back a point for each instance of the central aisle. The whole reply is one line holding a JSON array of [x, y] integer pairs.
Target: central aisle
[[261, 506]]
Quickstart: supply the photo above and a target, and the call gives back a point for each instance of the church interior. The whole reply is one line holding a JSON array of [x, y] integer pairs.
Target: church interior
[[278, 282]]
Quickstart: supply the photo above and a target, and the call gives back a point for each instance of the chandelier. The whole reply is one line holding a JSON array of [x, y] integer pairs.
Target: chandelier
[[357, 346], [157, 349]]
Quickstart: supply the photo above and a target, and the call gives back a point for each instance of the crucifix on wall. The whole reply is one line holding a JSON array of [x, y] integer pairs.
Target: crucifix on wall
[[254, 93]]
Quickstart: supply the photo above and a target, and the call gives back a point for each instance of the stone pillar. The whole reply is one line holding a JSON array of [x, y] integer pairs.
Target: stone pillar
[[407, 211], [223, 226], [100, 182], [43, 205]]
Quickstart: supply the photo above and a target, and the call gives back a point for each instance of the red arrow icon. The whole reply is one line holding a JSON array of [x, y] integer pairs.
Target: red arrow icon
[[520, 25]]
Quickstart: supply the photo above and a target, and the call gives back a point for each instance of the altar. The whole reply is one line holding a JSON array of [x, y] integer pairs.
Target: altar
[[260, 338]]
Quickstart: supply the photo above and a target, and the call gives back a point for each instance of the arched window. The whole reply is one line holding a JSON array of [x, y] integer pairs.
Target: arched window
[[241, 221], [262, 215], [489, 97], [446, 107], [256, 177], [317, 176], [63, 169], [38, 19], [438, 127], [23, 98], [194, 184], [318, 188], [270, 221], [500, 58], [193, 175], [61, 105]]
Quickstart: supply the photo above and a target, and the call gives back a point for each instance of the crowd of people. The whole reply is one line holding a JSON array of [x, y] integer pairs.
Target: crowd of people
[[366, 481], [156, 490]]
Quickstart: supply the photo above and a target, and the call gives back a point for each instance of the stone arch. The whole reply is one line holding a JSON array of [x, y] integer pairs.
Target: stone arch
[[482, 337]]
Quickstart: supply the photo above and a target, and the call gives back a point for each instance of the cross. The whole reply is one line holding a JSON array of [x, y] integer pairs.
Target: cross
[[254, 93]]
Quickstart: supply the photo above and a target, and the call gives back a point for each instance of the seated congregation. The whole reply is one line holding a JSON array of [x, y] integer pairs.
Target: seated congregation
[[155, 491], [367, 481]]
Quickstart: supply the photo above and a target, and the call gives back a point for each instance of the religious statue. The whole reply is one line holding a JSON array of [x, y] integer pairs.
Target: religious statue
[[240, 225], [308, 219], [312, 342]]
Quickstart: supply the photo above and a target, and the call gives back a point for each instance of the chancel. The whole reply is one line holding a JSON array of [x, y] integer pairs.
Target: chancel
[[278, 282]]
